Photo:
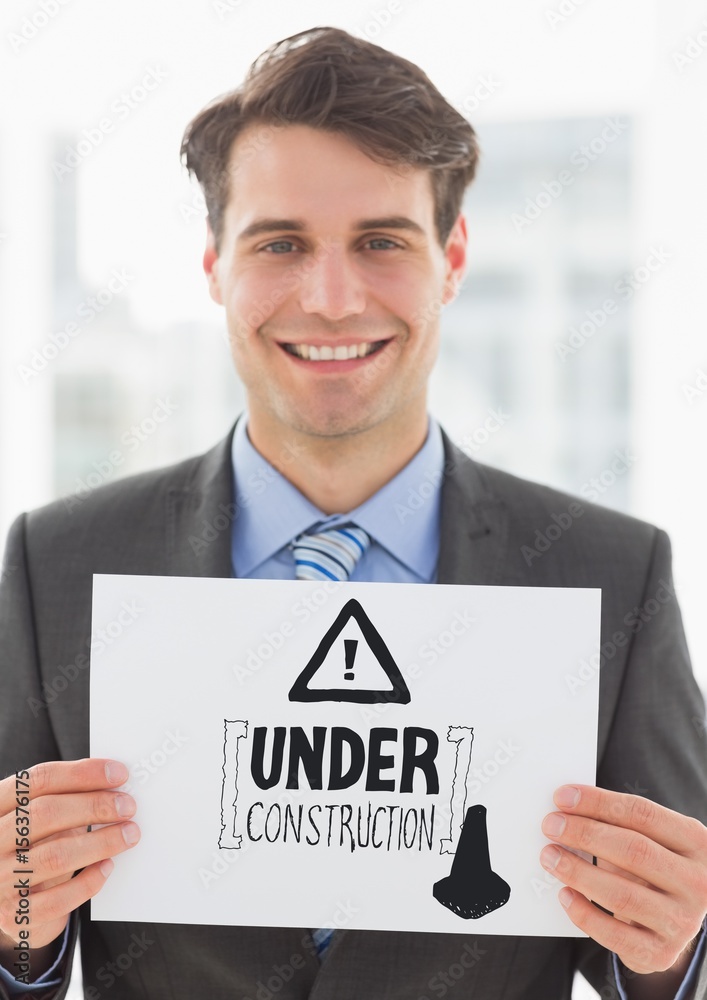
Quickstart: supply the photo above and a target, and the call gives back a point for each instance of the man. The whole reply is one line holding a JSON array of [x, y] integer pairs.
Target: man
[[333, 181]]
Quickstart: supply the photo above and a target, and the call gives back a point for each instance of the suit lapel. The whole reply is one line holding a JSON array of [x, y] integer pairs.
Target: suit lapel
[[199, 518], [200, 515], [474, 524]]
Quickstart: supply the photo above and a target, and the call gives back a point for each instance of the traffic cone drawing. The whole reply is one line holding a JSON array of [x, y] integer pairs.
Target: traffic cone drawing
[[472, 889]]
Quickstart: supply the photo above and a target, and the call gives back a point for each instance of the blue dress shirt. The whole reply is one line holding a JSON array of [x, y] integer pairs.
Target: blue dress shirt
[[52, 977], [402, 518]]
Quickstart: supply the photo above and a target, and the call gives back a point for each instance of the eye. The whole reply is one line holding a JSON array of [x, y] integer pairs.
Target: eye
[[277, 245], [383, 239]]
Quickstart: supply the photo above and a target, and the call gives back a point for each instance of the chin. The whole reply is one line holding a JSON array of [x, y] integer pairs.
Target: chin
[[333, 425]]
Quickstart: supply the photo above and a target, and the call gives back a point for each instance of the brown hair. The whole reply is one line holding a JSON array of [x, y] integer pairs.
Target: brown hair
[[328, 79]]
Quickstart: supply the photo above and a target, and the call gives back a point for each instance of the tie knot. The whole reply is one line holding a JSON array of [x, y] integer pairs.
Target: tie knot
[[331, 554]]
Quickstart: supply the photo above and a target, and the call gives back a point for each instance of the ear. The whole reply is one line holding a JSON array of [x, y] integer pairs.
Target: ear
[[455, 259], [211, 262]]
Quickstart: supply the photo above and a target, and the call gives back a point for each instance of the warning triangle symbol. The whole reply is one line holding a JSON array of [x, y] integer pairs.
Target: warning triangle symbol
[[331, 674]]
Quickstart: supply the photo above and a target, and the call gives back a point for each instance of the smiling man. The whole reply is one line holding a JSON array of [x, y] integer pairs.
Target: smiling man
[[334, 179], [326, 263]]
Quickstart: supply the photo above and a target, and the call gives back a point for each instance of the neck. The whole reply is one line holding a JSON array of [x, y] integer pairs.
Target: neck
[[337, 474]]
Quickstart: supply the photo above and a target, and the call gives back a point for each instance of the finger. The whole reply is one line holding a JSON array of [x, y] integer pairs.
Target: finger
[[50, 814], [64, 855], [638, 948], [627, 900], [57, 902], [681, 834], [633, 852], [59, 776]]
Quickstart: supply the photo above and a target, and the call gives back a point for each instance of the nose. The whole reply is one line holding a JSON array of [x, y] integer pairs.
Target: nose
[[330, 285]]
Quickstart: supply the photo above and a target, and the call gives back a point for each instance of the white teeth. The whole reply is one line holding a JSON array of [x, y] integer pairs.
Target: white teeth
[[327, 353]]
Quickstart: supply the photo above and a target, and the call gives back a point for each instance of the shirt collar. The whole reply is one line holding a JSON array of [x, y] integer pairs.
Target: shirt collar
[[403, 516]]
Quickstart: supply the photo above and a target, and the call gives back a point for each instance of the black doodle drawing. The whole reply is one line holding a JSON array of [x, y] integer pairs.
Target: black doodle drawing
[[472, 889], [463, 736], [233, 732], [399, 693]]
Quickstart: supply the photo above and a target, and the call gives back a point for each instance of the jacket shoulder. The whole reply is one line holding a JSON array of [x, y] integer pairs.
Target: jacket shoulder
[[129, 505], [545, 534], [533, 501]]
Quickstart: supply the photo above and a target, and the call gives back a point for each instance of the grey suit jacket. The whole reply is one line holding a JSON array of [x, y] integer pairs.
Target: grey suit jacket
[[177, 522]]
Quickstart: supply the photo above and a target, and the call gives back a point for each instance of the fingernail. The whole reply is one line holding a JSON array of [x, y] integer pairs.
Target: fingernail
[[116, 773], [567, 797], [131, 833], [549, 857], [566, 896], [106, 867], [554, 825], [124, 804]]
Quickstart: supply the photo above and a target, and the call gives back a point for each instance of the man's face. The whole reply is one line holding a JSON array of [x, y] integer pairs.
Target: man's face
[[332, 278]]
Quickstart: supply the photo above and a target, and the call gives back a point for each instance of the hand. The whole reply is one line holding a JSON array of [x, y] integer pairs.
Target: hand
[[651, 873], [65, 797]]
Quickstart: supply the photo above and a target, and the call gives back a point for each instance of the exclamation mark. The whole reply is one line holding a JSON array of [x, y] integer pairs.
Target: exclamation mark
[[350, 654]]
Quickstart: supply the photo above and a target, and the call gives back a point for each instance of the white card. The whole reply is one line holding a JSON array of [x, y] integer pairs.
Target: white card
[[306, 754]]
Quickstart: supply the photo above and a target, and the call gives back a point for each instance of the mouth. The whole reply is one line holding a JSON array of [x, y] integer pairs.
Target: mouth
[[341, 352]]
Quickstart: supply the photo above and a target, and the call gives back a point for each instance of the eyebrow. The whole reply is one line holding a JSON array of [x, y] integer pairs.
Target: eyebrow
[[261, 226]]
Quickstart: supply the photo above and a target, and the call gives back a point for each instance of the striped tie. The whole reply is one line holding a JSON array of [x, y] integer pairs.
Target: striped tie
[[328, 555]]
